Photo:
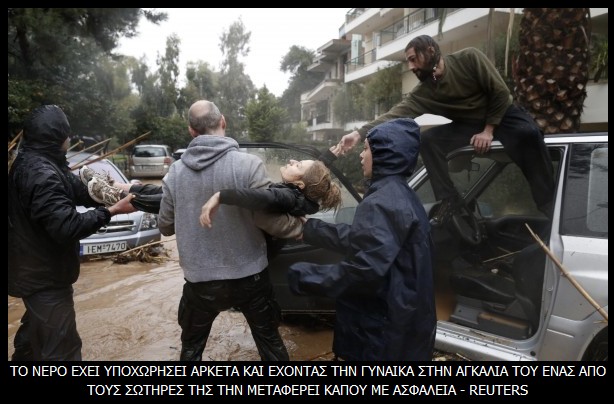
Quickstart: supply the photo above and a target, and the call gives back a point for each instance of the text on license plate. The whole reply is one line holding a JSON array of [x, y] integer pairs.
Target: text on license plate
[[103, 248]]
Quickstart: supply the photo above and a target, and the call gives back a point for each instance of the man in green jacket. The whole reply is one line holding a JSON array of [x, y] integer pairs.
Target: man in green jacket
[[466, 88]]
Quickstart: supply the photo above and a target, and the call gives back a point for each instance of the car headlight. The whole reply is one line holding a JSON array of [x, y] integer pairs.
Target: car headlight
[[149, 221]]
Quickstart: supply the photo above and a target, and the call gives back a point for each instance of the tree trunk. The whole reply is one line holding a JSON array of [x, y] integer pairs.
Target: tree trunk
[[552, 67]]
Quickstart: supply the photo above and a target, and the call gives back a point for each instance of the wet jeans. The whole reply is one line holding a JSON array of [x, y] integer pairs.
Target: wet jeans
[[201, 303]]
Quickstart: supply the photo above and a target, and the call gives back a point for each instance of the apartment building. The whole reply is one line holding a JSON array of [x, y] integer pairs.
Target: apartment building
[[375, 38]]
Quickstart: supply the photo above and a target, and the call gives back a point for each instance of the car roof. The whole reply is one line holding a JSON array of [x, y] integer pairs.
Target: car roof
[[576, 137]]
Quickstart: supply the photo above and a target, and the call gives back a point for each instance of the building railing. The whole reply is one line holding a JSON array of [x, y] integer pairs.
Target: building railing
[[353, 14], [361, 61], [409, 23], [404, 26]]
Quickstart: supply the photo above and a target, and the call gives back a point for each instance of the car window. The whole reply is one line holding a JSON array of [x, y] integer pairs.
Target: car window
[[508, 194], [149, 152], [465, 170], [503, 190], [585, 207]]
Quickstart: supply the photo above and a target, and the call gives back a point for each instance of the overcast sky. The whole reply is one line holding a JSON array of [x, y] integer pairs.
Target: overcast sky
[[273, 32]]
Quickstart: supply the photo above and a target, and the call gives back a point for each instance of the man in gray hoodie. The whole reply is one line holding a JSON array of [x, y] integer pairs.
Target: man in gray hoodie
[[224, 266]]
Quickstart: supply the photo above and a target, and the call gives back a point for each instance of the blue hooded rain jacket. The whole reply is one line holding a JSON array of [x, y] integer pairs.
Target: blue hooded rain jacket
[[385, 304]]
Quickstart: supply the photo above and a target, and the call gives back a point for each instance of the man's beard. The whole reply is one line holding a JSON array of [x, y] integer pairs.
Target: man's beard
[[423, 75]]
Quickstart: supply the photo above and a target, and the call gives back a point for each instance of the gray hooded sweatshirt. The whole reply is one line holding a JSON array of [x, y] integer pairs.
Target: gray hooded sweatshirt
[[235, 246]]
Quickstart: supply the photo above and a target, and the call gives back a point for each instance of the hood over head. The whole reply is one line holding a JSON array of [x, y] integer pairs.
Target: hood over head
[[46, 130], [204, 150], [394, 147]]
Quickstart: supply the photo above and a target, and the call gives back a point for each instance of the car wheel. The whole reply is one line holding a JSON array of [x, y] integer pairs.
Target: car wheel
[[598, 348]]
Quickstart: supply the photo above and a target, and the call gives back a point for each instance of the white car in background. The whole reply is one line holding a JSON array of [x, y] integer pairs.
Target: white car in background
[[149, 161]]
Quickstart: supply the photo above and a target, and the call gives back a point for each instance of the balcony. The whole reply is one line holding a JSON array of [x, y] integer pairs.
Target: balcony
[[409, 23], [324, 91], [360, 61], [370, 20], [353, 14], [321, 123], [328, 54], [364, 65]]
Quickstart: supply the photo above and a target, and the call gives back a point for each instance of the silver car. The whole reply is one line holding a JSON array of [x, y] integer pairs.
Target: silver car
[[124, 231], [499, 295], [150, 160]]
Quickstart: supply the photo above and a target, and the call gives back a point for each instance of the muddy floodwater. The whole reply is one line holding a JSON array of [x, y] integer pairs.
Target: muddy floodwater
[[128, 312]]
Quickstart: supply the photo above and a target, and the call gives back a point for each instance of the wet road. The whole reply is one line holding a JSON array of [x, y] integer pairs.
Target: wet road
[[128, 312]]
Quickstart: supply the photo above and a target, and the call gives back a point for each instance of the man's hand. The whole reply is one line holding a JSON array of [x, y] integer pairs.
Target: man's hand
[[209, 209], [348, 141], [481, 141], [122, 206], [336, 149]]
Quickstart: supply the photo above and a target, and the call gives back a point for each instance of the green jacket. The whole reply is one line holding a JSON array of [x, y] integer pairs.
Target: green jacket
[[471, 88]]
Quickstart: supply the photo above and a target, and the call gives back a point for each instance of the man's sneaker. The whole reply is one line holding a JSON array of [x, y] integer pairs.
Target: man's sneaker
[[102, 192], [447, 207], [86, 174]]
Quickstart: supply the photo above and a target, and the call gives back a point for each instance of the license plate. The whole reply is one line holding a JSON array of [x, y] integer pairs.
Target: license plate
[[103, 248], [149, 168]]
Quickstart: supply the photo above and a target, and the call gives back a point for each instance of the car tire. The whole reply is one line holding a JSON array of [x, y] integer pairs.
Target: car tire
[[598, 348]]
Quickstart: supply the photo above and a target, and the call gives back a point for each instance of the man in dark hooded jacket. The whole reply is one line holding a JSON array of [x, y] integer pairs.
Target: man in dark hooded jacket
[[44, 229], [385, 303]]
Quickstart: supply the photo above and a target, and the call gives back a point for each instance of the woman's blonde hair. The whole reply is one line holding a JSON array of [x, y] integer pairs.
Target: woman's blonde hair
[[320, 187]]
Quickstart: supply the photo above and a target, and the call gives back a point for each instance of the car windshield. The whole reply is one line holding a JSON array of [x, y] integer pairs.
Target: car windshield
[[149, 152]]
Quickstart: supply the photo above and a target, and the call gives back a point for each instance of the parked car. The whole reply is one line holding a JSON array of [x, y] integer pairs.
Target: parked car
[[124, 231], [499, 296], [149, 160], [177, 153]]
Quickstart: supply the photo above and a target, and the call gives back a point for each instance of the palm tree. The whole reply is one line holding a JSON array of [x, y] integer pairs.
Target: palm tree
[[552, 67]]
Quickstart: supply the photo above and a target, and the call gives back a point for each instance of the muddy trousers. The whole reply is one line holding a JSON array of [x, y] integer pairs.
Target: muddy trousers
[[201, 302], [48, 330], [521, 138]]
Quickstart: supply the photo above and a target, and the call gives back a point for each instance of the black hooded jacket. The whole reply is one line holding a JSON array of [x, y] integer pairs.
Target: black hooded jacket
[[44, 227], [385, 303]]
